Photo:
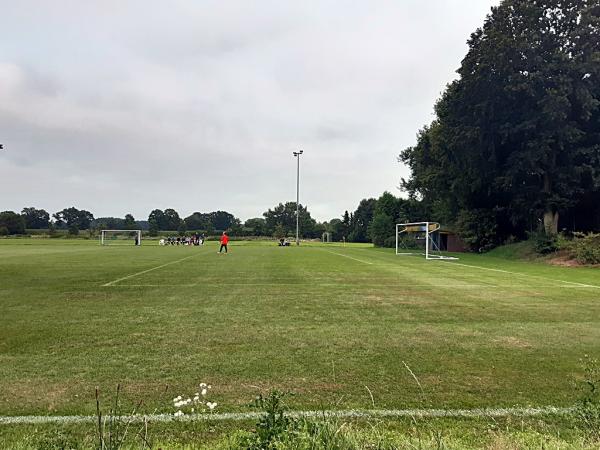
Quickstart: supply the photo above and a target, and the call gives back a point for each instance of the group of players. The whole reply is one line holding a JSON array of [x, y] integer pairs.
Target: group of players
[[194, 239]]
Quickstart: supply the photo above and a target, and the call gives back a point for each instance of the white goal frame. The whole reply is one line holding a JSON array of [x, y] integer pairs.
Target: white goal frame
[[326, 237], [429, 228], [103, 240]]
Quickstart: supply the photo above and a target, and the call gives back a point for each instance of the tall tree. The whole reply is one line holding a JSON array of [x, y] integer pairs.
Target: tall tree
[[35, 218], [172, 221], [74, 218], [129, 222], [199, 221], [222, 220], [11, 223], [361, 218], [285, 215], [256, 226], [518, 132]]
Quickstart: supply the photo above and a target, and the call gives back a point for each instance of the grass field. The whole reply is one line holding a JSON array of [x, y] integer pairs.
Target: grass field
[[326, 322]]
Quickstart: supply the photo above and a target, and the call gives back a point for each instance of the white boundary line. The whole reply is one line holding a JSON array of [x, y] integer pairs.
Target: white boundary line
[[346, 256], [523, 275], [351, 285], [352, 413], [112, 283]]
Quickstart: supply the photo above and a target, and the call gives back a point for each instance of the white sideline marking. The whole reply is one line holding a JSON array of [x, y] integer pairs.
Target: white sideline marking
[[351, 285], [523, 274], [352, 413], [112, 283], [346, 256]]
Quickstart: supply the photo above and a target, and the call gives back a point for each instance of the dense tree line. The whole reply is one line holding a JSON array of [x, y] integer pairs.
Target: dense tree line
[[516, 140]]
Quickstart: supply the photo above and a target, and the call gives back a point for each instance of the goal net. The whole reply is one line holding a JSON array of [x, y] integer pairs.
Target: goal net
[[121, 237], [420, 238]]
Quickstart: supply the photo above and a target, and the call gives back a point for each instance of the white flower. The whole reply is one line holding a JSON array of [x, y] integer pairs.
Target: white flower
[[178, 413], [192, 409], [211, 405], [196, 394], [202, 385], [204, 391]]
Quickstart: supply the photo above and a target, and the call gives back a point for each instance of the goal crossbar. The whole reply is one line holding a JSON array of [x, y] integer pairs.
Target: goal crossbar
[[425, 232]]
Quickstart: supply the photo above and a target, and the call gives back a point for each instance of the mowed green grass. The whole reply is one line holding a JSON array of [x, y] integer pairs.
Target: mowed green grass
[[325, 322]]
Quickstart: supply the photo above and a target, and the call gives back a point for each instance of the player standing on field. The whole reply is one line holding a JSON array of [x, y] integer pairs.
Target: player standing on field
[[224, 242]]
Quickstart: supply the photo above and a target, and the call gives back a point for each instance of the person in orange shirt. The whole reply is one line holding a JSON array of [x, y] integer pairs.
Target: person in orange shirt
[[224, 242]]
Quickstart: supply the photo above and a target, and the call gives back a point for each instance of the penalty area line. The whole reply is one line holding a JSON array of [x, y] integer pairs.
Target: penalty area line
[[572, 283], [112, 283], [346, 256], [351, 413]]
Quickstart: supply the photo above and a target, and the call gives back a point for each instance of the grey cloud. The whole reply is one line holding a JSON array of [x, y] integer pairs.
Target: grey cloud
[[126, 106]]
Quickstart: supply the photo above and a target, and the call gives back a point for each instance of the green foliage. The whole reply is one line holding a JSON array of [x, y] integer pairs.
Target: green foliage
[[129, 222], [360, 220], [518, 132], [12, 223], [273, 424], [586, 248], [544, 243], [381, 228], [279, 231], [285, 215], [477, 228], [587, 412], [58, 440], [256, 226], [35, 218], [73, 229], [3, 230], [73, 218]]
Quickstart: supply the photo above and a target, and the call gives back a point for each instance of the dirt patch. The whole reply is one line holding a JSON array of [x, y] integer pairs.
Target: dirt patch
[[512, 342], [564, 261]]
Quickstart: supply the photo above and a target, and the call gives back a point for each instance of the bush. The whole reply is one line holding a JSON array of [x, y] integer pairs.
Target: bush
[[3, 231], [390, 242], [543, 243], [73, 230], [586, 248], [477, 228], [380, 229]]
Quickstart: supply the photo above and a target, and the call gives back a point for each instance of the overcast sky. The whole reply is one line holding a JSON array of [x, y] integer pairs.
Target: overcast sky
[[121, 106]]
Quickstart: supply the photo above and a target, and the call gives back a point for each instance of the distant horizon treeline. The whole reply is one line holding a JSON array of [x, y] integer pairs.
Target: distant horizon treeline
[[372, 221]]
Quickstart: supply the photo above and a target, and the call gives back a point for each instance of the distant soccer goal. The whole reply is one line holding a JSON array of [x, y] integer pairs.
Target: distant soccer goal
[[419, 238], [121, 237], [326, 238]]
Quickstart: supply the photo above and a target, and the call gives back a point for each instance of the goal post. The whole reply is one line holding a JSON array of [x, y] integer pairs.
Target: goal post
[[121, 237], [420, 238]]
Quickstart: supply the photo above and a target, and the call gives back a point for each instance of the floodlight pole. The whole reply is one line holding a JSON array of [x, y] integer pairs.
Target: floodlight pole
[[297, 155]]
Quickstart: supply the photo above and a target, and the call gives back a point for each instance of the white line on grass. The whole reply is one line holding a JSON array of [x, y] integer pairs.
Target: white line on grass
[[356, 413], [351, 285], [112, 283], [523, 274], [346, 256]]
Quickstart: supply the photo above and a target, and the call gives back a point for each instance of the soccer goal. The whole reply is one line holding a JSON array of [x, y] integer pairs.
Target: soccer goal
[[121, 237], [419, 238], [326, 238]]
